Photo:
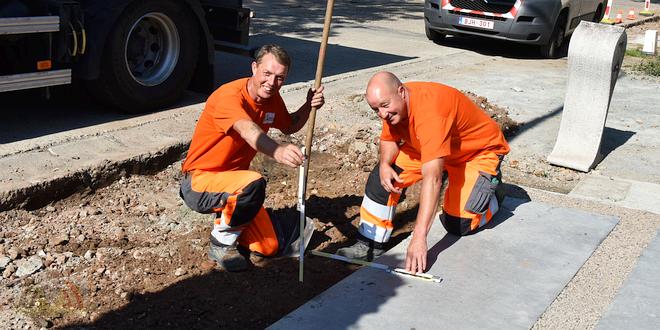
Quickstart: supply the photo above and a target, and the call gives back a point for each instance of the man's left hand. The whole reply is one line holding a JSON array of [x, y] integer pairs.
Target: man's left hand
[[416, 255], [315, 97]]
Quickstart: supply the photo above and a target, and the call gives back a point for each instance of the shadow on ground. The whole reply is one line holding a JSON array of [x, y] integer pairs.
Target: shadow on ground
[[305, 17], [304, 54], [494, 47]]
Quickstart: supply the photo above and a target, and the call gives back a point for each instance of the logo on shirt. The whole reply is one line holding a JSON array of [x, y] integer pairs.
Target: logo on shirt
[[270, 117]]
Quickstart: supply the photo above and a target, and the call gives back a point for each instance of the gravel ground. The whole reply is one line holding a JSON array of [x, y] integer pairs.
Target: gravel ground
[[584, 300]]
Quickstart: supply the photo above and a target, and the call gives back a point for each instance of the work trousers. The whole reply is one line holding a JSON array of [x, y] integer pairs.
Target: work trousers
[[469, 202], [236, 197]]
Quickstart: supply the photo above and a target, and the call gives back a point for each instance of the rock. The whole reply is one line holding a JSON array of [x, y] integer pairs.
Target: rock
[[83, 214], [360, 147], [50, 209], [49, 260], [60, 259], [2, 248], [9, 271], [4, 261], [179, 272], [29, 266], [80, 239], [89, 255], [41, 253], [13, 253], [137, 254], [59, 239], [100, 271]]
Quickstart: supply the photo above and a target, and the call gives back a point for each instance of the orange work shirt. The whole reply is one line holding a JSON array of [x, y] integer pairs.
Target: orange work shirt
[[442, 122], [215, 145]]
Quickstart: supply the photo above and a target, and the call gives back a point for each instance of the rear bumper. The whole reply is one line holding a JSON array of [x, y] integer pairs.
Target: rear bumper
[[530, 25]]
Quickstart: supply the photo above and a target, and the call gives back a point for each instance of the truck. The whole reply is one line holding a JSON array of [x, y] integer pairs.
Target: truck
[[544, 23], [134, 55]]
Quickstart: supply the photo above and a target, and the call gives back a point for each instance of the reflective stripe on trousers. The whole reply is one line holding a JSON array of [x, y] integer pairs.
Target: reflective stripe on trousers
[[237, 199], [378, 206]]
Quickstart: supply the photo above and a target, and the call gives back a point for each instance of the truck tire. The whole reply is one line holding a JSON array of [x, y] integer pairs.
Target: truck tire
[[553, 47], [149, 58]]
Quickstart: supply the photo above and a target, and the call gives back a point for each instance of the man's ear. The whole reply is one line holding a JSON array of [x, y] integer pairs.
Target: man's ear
[[402, 91], [254, 68]]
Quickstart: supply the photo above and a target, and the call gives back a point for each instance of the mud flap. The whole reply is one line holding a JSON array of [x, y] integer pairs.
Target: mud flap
[[288, 236]]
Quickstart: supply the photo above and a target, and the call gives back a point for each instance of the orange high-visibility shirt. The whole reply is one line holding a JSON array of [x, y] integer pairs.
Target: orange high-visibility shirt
[[215, 145], [442, 122]]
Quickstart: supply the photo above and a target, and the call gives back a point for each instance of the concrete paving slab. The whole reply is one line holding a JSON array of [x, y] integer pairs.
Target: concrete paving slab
[[636, 305], [503, 277], [621, 192]]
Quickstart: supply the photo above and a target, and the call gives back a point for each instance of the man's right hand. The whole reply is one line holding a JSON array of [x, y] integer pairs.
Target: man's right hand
[[289, 155], [387, 177]]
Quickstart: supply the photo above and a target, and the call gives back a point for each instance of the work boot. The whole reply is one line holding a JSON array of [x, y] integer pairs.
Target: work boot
[[227, 257], [364, 249]]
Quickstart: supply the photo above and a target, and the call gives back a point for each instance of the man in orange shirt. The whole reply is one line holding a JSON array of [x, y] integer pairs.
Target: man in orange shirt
[[428, 128], [230, 131]]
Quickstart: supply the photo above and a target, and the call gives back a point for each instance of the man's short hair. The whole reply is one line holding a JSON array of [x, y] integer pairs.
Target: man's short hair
[[277, 51]]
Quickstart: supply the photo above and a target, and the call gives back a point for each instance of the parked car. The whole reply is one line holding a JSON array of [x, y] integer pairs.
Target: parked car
[[545, 23]]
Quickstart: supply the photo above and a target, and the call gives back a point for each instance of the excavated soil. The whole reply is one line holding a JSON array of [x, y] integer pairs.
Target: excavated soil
[[132, 255]]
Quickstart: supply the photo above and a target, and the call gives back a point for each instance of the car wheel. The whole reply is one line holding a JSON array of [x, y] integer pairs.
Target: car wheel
[[433, 35], [149, 57], [598, 16], [552, 48]]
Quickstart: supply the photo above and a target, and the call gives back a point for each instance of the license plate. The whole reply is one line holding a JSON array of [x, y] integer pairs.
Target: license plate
[[480, 23]]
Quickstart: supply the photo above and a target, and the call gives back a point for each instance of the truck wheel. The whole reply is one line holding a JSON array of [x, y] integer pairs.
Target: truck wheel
[[433, 35], [149, 57], [552, 48]]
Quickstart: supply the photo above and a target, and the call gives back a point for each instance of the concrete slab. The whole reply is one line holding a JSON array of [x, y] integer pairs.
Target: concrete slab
[[621, 192], [636, 305], [503, 277]]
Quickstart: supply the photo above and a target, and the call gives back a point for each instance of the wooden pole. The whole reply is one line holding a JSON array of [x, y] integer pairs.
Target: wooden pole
[[302, 189]]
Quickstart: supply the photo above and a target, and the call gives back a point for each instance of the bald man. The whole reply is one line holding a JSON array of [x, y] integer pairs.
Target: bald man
[[428, 129]]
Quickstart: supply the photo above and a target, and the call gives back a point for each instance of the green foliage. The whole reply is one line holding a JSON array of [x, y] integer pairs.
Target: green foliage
[[649, 66], [635, 52]]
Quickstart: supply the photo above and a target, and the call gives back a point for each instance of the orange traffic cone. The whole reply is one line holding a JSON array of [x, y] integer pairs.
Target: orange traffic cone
[[619, 17], [631, 14]]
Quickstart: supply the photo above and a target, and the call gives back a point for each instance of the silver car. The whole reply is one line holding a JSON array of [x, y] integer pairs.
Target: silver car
[[536, 22]]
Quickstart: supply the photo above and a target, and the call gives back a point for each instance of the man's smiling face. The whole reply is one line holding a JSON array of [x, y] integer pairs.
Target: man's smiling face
[[390, 105], [267, 77]]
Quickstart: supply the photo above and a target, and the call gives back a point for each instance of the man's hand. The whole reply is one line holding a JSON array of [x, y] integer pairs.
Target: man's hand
[[289, 155], [416, 255], [387, 176], [315, 97]]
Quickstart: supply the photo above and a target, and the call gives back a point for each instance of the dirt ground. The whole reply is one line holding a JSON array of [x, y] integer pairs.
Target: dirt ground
[[132, 255]]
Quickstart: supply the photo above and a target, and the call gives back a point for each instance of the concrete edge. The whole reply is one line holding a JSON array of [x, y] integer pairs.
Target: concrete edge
[[640, 22], [91, 178]]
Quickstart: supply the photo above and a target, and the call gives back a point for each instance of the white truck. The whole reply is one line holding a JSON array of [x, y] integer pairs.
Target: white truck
[[545, 23], [135, 55]]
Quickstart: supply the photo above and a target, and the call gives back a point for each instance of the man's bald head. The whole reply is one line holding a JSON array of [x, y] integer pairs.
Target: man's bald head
[[383, 83], [386, 95]]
